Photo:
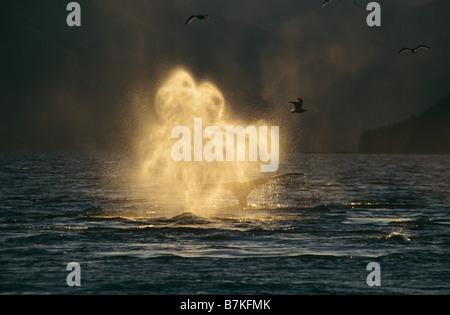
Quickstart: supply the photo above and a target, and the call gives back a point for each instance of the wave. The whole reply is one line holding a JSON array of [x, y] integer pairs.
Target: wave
[[189, 218], [398, 236]]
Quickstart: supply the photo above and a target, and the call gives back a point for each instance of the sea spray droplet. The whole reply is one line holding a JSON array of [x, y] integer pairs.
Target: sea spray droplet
[[180, 100]]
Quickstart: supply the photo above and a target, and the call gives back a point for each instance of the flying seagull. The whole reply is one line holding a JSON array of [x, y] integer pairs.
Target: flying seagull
[[193, 17], [413, 50], [298, 106], [326, 2]]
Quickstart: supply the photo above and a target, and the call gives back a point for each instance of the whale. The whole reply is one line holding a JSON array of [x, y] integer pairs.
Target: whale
[[242, 190]]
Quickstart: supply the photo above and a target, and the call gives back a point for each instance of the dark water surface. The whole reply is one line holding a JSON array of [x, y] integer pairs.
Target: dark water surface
[[310, 235]]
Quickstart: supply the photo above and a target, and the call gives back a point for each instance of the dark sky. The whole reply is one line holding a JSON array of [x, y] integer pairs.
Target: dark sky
[[75, 88]]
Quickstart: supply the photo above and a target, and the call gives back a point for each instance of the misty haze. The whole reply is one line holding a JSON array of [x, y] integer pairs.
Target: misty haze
[[93, 87], [239, 147]]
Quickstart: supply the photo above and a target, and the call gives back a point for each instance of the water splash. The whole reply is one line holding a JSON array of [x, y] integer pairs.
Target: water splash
[[178, 102]]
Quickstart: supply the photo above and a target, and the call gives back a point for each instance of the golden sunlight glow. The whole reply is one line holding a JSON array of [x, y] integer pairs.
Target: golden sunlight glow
[[178, 102]]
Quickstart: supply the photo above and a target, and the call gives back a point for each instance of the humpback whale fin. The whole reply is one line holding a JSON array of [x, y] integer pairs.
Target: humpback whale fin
[[242, 189]]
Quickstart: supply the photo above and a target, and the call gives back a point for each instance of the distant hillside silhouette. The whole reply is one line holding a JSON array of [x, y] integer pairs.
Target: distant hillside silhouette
[[428, 132]]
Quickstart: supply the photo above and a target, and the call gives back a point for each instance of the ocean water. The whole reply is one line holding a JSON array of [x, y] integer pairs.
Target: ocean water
[[311, 234]]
